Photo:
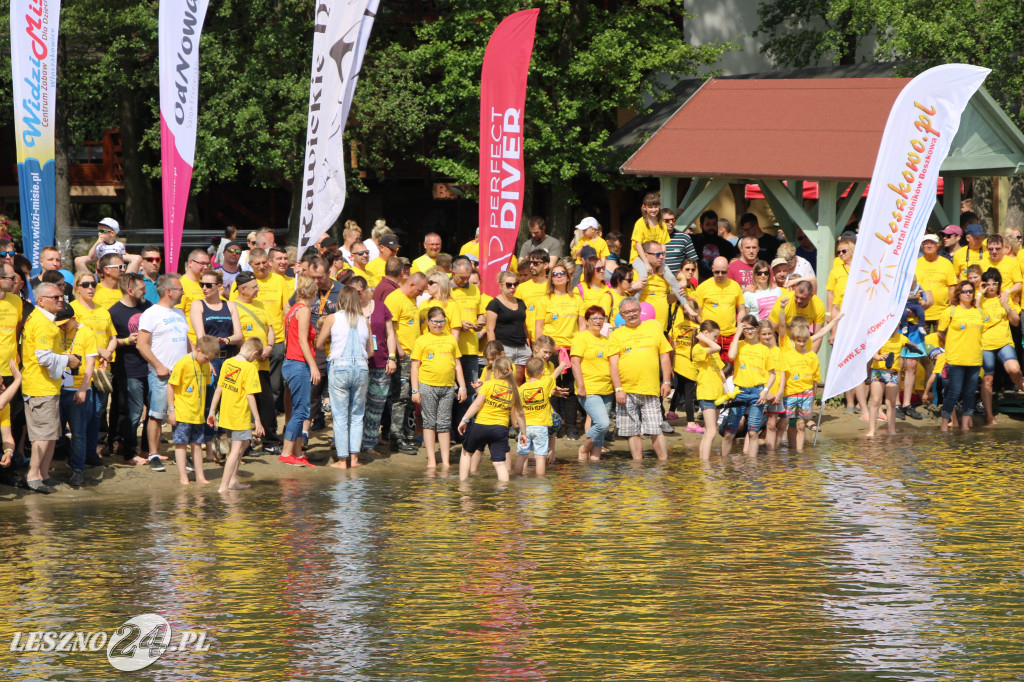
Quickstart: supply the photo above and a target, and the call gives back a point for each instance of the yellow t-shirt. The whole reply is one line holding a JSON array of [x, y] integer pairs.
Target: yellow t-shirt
[[963, 335], [5, 415], [83, 344], [10, 318], [719, 302], [39, 334], [597, 243], [105, 296], [190, 381], [535, 396], [644, 233], [371, 279], [775, 354], [191, 291], [252, 320], [529, 292], [593, 352], [1009, 268], [98, 320], [405, 317], [616, 301], [656, 291], [965, 257], [639, 350], [814, 312], [893, 345], [709, 368], [936, 277], [472, 247], [560, 315], [593, 296], [376, 268], [753, 363], [802, 370], [273, 294], [422, 264], [837, 281], [238, 379], [682, 337], [436, 354], [471, 306], [996, 330], [498, 403], [452, 314]]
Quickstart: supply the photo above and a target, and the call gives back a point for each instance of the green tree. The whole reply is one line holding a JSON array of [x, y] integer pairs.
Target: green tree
[[589, 60], [800, 33]]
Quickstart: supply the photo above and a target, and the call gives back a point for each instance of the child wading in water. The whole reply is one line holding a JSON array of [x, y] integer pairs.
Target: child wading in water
[[535, 398], [802, 374], [496, 403], [775, 409], [704, 353], [237, 387]]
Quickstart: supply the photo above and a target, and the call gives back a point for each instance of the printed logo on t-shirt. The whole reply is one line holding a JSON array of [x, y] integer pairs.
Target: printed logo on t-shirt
[[430, 356], [188, 390], [600, 354], [248, 327]]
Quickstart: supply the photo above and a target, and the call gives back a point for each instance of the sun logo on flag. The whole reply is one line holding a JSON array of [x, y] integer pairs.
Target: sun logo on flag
[[876, 276]]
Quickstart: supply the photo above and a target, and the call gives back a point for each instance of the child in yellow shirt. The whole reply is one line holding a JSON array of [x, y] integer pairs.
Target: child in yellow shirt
[[802, 372], [705, 355], [535, 397], [497, 402], [186, 397], [237, 387]]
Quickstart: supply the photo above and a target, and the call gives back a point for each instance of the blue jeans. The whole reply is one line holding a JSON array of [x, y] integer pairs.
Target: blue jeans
[[598, 407], [347, 382], [138, 389], [962, 385], [746, 404], [77, 418], [92, 431], [300, 383]]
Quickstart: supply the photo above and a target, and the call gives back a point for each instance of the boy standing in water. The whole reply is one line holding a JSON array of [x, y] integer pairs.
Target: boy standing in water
[[186, 396], [239, 382]]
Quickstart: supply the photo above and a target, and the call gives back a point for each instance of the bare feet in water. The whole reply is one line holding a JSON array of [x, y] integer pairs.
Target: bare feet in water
[[340, 464], [236, 486]]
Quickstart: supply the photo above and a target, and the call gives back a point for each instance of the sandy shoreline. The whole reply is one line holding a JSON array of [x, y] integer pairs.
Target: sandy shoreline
[[119, 479]]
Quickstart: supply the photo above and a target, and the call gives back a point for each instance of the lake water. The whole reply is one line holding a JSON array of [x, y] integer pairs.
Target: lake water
[[896, 559]]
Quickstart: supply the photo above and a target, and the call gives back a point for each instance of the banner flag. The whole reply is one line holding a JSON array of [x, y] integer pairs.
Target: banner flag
[[180, 27], [918, 135], [34, 27], [341, 33], [502, 102]]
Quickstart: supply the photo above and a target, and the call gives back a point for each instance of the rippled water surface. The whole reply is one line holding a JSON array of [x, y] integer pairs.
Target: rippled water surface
[[898, 559]]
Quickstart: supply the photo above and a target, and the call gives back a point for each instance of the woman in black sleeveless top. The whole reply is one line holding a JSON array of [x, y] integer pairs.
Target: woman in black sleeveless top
[[213, 316]]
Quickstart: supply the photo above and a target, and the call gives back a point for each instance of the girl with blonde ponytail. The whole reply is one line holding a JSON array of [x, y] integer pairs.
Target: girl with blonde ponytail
[[497, 402]]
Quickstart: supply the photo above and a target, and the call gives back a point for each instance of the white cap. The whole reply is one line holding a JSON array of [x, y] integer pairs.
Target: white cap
[[930, 238], [112, 224], [587, 223]]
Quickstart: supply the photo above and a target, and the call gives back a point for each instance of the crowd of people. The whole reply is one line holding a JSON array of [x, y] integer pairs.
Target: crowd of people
[[724, 328]]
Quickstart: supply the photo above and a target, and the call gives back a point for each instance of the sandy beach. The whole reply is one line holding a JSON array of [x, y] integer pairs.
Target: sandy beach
[[119, 479]]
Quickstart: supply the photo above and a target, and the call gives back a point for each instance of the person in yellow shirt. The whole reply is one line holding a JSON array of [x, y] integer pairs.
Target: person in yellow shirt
[[76, 402], [835, 287], [360, 262], [800, 302], [685, 393], [428, 261], [648, 226], [972, 254], [802, 373], [239, 415], [535, 398], [588, 236], [191, 282], [406, 320], [960, 330], [753, 374], [496, 404], [589, 355], [108, 289], [885, 381], [469, 301], [253, 322], [186, 400], [434, 373], [439, 292], [775, 407], [636, 348], [1008, 267], [388, 247], [658, 283], [11, 316], [706, 356], [558, 313], [45, 360], [999, 314], [721, 299], [936, 275], [530, 290], [272, 291]]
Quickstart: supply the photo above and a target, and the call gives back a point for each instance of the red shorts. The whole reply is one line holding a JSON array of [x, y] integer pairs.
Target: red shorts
[[725, 342]]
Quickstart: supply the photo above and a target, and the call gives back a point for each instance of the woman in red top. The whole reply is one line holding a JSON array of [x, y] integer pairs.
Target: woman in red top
[[299, 369]]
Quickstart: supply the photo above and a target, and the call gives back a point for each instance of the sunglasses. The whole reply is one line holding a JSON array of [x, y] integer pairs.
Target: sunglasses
[[844, 251], [360, 253], [441, 321], [8, 254], [598, 269], [204, 263], [114, 267], [761, 273], [208, 285], [431, 281], [87, 285], [232, 251], [152, 259], [55, 297], [966, 292], [560, 273], [6, 276], [597, 318], [719, 272], [511, 285], [656, 254]]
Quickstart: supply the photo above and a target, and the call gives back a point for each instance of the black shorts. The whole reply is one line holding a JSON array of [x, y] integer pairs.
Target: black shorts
[[495, 437]]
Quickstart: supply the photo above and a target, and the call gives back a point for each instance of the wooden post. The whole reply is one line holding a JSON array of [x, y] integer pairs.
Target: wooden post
[[824, 240]]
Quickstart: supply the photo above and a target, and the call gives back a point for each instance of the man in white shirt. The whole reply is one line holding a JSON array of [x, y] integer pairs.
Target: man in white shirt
[[162, 341]]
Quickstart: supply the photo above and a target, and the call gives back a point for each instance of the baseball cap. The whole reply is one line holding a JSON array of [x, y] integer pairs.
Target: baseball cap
[[390, 241], [112, 224], [587, 223], [930, 238], [65, 313], [244, 278], [588, 252], [779, 261], [974, 230], [952, 229]]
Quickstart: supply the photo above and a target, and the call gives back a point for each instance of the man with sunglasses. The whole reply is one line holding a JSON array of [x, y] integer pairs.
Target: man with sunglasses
[[428, 261], [7, 252], [721, 299], [108, 286], [191, 282], [534, 288], [229, 266], [252, 317], [360, 259], [152, 262]]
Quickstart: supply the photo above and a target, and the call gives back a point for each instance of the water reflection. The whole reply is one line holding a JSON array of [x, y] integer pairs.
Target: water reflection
[[896, 559]]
